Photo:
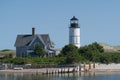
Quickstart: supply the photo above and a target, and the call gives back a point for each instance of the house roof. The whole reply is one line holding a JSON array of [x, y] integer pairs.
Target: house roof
[[45, 38], [25, 40]]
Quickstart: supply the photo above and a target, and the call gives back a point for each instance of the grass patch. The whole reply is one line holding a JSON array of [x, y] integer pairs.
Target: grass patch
[[4, 50]]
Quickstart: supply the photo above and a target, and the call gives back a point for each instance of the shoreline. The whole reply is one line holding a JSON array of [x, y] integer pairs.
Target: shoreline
[[104, 70], [79, 68], [24, 71], [43, 71]]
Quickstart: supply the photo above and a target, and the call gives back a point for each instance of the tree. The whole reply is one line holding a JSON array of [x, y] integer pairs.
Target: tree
[[105, 58], [91, 52], [69, 48], [96, 46], [71, 53], [39, 51]]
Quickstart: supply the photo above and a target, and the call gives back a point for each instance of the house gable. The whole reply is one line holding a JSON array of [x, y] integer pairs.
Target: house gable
[[35, 40]]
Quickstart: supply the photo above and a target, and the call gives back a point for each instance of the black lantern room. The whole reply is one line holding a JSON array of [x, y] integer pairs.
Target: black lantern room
[[74, 22]]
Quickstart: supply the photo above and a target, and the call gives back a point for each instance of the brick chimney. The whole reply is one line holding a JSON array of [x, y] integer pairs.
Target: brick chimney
[[33, 31]]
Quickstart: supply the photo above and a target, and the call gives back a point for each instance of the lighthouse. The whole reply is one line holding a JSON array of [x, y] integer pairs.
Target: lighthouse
[[74, 32]]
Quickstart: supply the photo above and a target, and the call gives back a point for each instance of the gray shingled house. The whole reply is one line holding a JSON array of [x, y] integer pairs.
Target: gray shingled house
[[25, 44]]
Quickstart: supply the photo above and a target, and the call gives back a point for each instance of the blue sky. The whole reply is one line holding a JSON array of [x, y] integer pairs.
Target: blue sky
[[99, 20]]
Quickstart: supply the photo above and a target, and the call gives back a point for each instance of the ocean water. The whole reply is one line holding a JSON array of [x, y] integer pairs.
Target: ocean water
[[65, 76]]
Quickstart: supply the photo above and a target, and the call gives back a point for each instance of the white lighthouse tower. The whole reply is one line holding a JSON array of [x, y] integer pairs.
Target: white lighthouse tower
[[74, 32]]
